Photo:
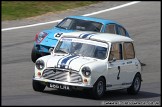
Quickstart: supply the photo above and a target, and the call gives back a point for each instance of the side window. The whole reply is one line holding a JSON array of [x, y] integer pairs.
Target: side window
[[122, 31], [116, 51], [110, 28], [128, 50]]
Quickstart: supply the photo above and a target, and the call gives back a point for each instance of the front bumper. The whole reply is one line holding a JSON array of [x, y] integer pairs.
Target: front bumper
[[46, 81], [45, 45], [42, 49]]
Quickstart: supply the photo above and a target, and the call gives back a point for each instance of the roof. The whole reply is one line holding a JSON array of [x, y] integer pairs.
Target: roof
[[101, 20], [107, 37]]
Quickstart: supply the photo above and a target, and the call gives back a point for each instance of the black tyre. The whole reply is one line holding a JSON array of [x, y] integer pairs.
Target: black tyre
[[135, 87], [34, 55], [99, 88], [37, 86]]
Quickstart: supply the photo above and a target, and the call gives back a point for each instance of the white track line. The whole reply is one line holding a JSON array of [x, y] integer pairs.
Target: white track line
[[94, 13], [113, 8]]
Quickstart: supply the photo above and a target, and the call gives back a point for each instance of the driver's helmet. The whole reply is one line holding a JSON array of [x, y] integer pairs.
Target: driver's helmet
[[77, 46]]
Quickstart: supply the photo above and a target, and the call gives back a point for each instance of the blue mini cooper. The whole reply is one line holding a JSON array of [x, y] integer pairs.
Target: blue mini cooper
[[47, 39]]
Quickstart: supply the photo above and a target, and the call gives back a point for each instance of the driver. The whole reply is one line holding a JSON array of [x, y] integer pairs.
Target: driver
[[76, 48]]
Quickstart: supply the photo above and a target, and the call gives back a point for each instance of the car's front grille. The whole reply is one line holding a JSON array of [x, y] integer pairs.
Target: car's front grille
[[64, 75]]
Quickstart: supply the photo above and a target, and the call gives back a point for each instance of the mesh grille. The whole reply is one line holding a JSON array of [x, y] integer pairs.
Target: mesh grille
[[62, 75]]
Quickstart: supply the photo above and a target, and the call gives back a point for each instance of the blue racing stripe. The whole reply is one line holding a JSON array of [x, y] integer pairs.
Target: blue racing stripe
[[90, 36], [73, 59], [86, 35], [81, 34], [61, 59], [64, 61]]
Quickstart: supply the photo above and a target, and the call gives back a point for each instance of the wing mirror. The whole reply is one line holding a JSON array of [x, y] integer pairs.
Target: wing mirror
[[51, 50], [113, 60]]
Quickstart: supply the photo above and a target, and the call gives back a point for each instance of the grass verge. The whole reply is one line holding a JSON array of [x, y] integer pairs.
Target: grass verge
[[13, 10]]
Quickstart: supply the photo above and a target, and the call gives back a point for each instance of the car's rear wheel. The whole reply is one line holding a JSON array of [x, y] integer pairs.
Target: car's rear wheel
[[34, 55], [99, 88], [37, 86], [135, 87]]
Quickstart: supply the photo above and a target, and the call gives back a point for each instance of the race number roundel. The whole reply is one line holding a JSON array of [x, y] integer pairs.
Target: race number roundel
[[57, 35]]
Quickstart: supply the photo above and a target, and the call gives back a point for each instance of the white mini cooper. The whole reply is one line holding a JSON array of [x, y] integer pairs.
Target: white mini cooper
[[88, 60]]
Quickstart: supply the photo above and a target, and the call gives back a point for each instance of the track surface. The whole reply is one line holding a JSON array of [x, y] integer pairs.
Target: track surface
[[143, 23]]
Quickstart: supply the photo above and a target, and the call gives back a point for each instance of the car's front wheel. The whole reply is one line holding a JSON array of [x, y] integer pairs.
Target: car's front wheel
[[34, 55], [99, 88], [135, 87], [37, 86]]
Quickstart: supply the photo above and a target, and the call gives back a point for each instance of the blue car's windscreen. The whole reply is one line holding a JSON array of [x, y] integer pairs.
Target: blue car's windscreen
[[78, 24]]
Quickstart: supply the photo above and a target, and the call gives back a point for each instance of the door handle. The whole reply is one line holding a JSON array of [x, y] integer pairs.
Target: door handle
[[129, 62]]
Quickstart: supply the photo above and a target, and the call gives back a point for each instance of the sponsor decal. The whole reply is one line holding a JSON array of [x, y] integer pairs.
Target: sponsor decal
[[66, 39]]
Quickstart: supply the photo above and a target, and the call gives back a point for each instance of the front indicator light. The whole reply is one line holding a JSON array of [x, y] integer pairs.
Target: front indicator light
[[85, 80], [39, 74]]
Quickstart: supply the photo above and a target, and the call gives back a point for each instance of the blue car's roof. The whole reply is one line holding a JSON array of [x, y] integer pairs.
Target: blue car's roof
[[103, 21]]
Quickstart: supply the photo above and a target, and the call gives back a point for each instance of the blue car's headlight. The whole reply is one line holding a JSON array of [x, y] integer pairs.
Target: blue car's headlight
[[40, 64], [40, 36]]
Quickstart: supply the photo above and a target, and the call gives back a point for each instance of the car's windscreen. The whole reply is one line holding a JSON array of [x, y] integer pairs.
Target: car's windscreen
[[74, 47], [81, 25]]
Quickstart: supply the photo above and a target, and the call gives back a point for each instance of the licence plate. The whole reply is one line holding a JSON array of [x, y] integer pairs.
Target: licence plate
[[59, 86]]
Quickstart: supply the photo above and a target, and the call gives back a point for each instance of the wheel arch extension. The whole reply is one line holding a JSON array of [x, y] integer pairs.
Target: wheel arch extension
[[101, 77], [138, 73]]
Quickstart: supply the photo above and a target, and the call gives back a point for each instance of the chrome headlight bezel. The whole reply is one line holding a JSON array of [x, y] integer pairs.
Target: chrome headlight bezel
[[86, 71], [40, 64]]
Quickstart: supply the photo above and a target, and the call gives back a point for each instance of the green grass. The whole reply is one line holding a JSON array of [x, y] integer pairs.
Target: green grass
[[12, 10]]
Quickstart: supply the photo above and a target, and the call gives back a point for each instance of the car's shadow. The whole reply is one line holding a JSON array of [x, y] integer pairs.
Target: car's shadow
[[109, 95]]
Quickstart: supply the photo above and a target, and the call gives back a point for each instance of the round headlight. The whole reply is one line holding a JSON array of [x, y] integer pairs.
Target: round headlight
[[86, 71], [40, 64]]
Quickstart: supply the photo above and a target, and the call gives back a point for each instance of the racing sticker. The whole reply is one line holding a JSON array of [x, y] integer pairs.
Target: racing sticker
[[57, 35]]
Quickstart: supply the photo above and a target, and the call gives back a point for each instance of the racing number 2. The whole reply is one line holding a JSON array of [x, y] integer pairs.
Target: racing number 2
[[118, 73]]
